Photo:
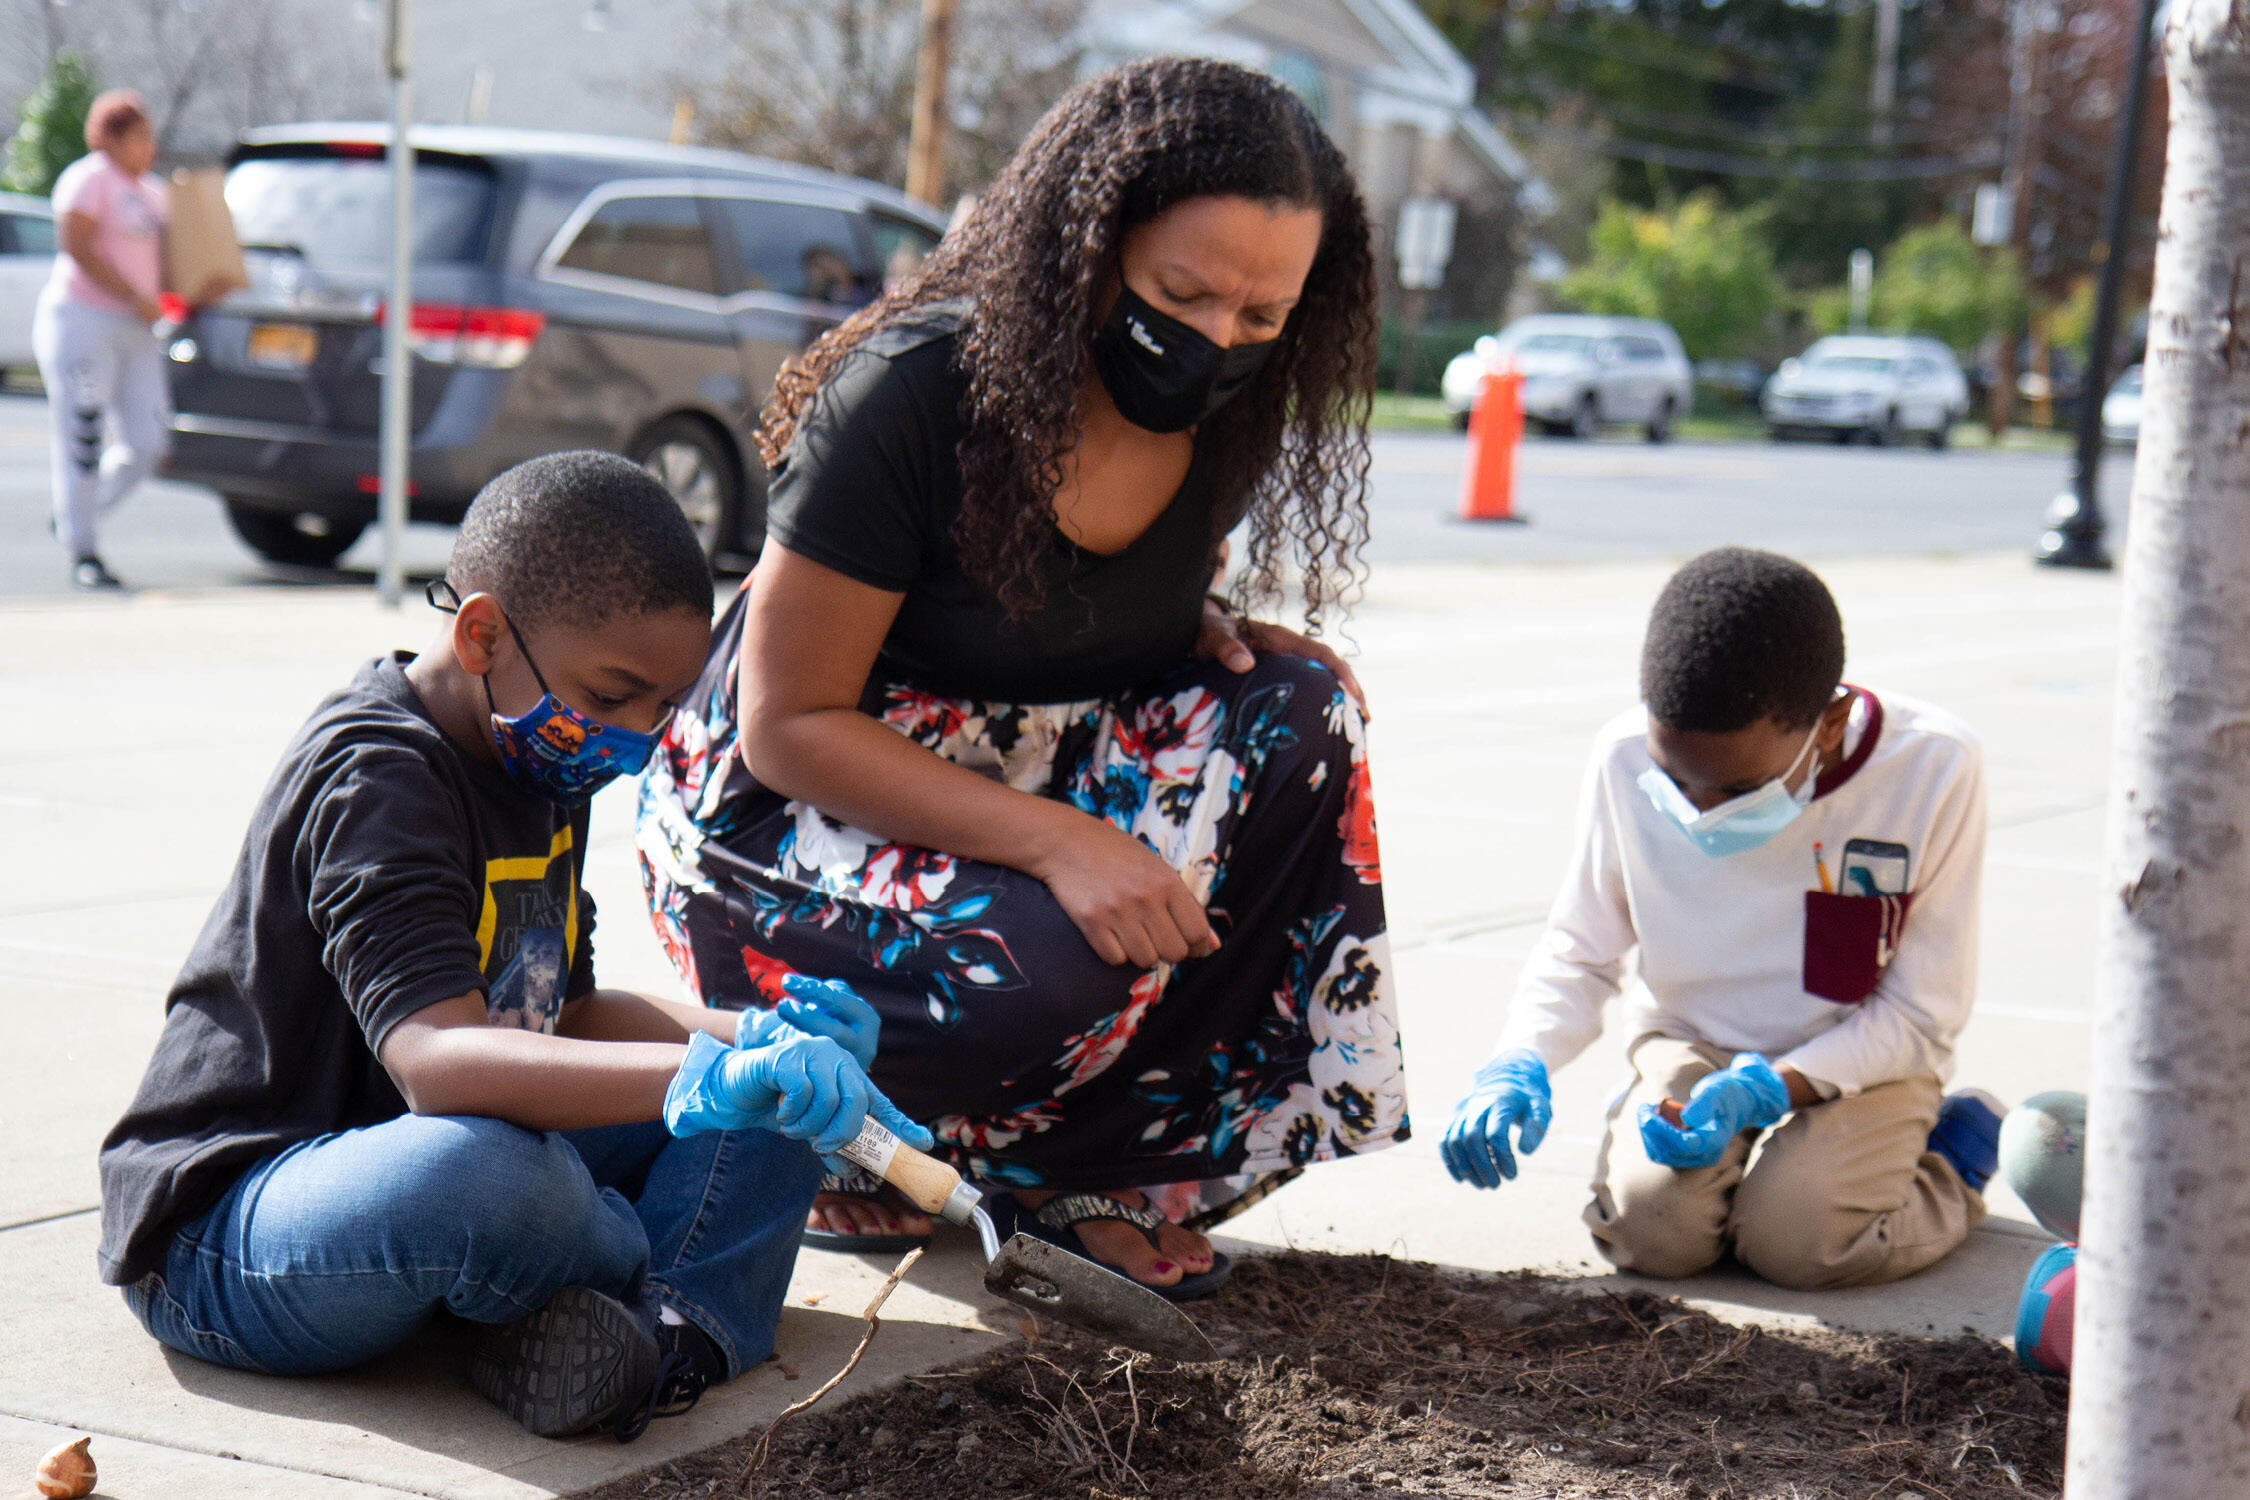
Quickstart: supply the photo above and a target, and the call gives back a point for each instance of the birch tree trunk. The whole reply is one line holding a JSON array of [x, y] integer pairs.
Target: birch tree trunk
[[2160, 1405]]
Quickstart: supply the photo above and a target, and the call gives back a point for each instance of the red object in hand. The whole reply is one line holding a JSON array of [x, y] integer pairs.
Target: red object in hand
[[172, 307]]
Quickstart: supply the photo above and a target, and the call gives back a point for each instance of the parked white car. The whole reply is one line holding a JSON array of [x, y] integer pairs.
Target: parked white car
[[1888, 387], [1580, 372], [27, 257], [2121, 409]]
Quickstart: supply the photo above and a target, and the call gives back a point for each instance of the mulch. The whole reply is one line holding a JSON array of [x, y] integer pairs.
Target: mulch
[[1348, 1376]]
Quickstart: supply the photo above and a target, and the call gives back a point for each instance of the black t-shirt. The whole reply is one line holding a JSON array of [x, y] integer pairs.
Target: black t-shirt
[[385, 870], [871, 485]]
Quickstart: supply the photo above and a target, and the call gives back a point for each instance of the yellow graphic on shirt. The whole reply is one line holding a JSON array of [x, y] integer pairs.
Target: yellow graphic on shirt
[[527, 935]]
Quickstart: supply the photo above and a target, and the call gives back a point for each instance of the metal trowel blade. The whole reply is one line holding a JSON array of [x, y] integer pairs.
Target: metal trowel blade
[[1072, 1289]]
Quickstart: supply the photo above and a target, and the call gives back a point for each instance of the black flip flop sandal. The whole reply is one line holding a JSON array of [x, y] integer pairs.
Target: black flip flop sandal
[[858, 1184], [1055, 1222]]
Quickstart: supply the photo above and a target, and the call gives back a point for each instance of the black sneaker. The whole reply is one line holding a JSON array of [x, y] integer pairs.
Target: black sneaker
[[88, 573], [584, 1360], [688, 1364]]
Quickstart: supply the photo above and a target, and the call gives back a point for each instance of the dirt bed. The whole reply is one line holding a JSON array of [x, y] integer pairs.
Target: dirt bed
[[1361, 1375]]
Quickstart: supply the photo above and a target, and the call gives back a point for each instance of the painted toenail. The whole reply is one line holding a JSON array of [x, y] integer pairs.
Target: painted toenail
[[1163, 1268]]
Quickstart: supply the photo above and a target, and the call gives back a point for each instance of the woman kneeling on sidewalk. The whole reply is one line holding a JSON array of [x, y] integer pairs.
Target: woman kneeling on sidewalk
[[974, 741]]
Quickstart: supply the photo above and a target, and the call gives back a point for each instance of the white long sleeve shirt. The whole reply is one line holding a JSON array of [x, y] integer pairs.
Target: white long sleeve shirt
[[1713, 949]]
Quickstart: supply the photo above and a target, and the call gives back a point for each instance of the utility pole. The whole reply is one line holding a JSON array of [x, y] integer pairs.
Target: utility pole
[[1882, 84], [393, 474], [2160, 1390], [2026, 122], [2074, 523], [925, 148]]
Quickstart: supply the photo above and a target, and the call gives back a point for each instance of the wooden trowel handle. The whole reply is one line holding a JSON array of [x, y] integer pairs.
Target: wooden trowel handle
[[928, 1183]]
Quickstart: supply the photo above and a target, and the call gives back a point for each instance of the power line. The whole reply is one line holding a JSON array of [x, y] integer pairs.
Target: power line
[[1981, 159]]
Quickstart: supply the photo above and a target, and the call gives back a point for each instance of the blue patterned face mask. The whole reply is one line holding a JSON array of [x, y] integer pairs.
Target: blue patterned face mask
[[1738, 824], [551, 747]]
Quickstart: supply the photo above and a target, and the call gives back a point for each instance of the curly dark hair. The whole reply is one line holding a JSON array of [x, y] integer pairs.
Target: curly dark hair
[[1031, 258], [1737, 636], [580, 537]]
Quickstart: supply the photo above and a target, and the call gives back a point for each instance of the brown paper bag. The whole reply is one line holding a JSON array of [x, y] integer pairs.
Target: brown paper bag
[[202, 258]]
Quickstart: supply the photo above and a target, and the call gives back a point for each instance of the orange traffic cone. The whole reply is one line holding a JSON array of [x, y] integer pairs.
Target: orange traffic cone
[[1488, 476]]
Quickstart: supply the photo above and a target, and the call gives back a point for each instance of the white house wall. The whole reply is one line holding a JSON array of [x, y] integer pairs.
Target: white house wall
[[1326, 29]]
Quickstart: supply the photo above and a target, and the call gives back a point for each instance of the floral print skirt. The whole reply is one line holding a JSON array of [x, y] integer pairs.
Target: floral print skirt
[[1034, 1062]]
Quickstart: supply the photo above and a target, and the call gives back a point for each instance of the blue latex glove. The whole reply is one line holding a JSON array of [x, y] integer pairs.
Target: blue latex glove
[[807, 1088], [829, 1008], [1746, 1095], [1511, 1089]]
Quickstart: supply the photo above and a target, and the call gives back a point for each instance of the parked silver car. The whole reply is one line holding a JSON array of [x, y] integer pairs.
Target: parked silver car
[[1884, 386], [2121, 409], [1580, 372], [27, 258]]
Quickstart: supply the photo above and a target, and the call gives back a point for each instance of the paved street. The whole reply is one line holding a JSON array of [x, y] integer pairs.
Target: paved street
[[1616, 499], [1621, 498], [167, 536]]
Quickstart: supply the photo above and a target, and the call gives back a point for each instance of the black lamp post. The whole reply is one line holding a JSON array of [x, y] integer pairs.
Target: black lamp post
[[2073, 538]]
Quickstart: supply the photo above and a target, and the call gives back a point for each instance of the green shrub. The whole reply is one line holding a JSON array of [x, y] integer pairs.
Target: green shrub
[[52, 134], [1438, 344], [1933, 280], [1703, 268]]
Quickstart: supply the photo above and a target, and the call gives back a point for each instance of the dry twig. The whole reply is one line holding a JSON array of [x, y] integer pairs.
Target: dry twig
[[764, 1451]]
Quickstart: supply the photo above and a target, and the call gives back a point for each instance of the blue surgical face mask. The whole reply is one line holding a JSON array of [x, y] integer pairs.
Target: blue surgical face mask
[[1740, 823], [552, 748]]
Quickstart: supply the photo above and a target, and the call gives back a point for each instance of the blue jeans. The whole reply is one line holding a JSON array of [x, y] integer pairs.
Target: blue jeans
[[341, 1247]]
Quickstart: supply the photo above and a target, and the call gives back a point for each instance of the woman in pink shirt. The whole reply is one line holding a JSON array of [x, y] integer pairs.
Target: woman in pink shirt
[[103, 371]]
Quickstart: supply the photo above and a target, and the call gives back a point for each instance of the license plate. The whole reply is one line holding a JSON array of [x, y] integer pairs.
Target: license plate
[[282, 346]]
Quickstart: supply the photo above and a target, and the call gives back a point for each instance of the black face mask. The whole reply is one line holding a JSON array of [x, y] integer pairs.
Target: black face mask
[[1164, 375]]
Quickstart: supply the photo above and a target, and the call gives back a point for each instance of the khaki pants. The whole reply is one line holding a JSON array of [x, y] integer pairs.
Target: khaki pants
[[1843, 1194]]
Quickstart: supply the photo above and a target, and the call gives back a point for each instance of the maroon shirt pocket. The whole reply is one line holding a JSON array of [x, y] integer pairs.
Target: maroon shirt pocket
[[1849, 941]]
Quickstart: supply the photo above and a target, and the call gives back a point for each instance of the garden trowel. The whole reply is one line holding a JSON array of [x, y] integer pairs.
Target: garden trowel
[[1028, 1271]]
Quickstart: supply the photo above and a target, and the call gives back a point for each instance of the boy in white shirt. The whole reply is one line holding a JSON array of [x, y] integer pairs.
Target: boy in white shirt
[[1795, 863]]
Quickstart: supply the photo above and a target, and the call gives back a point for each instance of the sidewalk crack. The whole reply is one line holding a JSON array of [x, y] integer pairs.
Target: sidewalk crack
[[59, 1214]]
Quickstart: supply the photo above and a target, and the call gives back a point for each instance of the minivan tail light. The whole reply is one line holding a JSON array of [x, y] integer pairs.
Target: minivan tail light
[[490, 338]]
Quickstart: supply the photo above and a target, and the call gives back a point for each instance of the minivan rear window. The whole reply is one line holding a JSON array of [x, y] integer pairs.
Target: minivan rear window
[[336, 211]]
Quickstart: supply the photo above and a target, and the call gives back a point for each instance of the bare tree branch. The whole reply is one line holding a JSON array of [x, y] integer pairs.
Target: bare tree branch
[[208, 71], [831, 82]]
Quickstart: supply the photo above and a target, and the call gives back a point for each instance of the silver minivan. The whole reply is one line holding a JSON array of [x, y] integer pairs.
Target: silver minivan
[[1580, 372]]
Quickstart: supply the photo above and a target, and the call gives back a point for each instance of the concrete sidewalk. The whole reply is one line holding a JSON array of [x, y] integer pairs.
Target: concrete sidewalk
[[146, 727]]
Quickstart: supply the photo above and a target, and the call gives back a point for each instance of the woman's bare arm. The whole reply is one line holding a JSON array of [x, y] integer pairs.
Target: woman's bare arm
[[807, 648], [808, 645], [80, 236]]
